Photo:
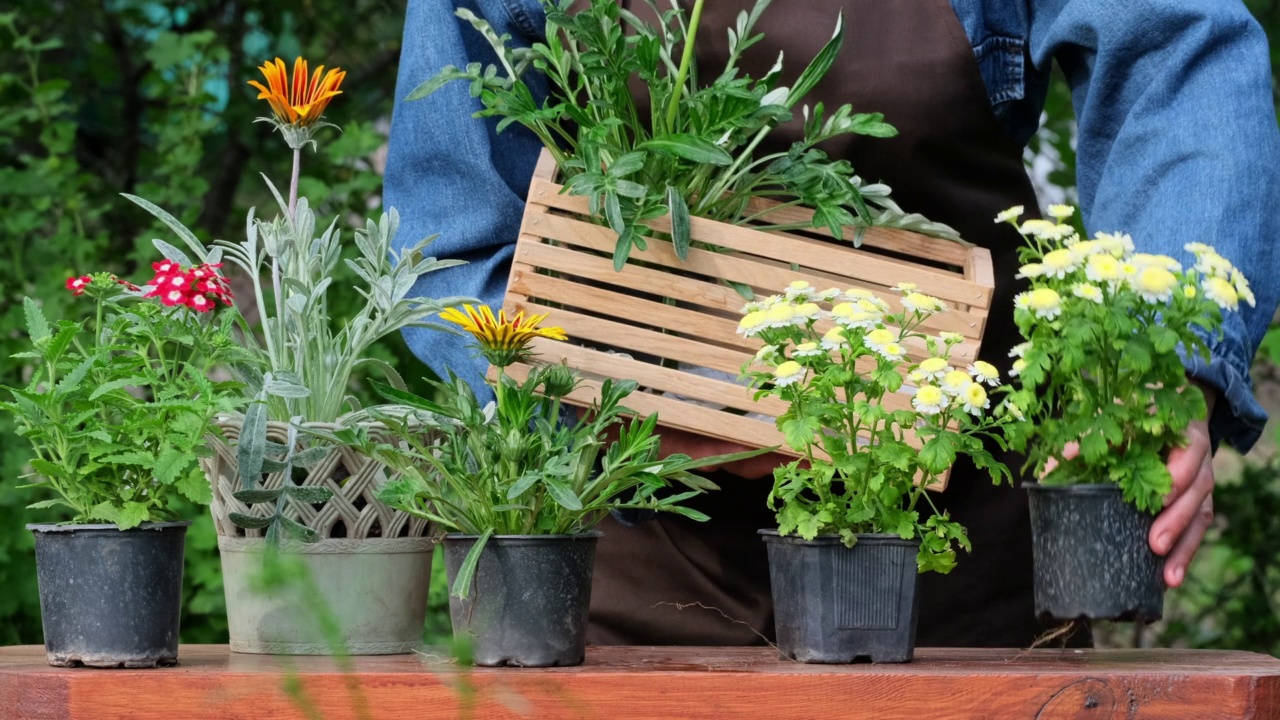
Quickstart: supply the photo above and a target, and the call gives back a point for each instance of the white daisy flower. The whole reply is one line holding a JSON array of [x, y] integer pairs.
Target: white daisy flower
[[984, 372], [1093, 293], [955, 381], [929, 400], [1059, 263], [975, 399], [892, 351], [1020, 349], [808, 349], [835, 339], [921, 303], [934, 368], [1010, 215], [1018, 366], [1222, 292], [788, 373], [800, 290], [1154, 284], [1061, 212]]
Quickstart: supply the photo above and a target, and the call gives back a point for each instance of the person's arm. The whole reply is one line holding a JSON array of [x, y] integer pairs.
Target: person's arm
[[452, 174], [1178, 143]]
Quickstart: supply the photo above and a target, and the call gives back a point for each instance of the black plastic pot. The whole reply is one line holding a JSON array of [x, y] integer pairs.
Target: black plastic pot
[[528, 603], [110, 597], [834, 604], [1092, 556]]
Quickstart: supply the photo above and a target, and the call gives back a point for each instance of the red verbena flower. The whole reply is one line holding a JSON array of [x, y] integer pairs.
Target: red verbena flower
[[77, 285], [198, 287], [199, 303]]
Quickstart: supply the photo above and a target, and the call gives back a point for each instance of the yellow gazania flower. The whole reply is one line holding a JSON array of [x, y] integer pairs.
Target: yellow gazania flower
[[302, 101], [502, 341]]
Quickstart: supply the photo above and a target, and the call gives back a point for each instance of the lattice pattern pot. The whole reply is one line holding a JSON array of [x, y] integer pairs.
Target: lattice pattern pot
[[353, 512]]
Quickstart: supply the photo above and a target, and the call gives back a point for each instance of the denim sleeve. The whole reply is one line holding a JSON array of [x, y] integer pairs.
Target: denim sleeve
[[452, 174], [1178, 143]]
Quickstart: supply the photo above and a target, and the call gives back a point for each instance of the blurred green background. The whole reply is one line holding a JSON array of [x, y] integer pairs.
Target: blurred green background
[[150, 98]]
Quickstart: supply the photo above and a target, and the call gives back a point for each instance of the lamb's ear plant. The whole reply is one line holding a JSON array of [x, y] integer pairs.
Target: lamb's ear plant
[[1107, 329], [515, 466], [309, 358], [866, 464], [694, 153]]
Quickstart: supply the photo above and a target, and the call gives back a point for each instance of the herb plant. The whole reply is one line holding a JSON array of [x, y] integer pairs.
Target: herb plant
[[514, 466], [694, 152], [1106, 329], [117, 411], [860, 472], [309, 361]]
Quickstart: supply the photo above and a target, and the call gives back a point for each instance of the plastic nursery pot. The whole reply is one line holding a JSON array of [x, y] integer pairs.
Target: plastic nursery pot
[[1092, 556], [110, 597], [528, 603], [835, 604]]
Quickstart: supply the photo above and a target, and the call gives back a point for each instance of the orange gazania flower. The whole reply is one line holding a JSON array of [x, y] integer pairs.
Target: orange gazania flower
[[302, 101]]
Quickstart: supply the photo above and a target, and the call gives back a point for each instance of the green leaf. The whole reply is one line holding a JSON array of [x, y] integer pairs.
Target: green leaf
[[132, 515], [562, 494], [250, 522], [113, 385], [48, 469], [50, 503], [170, 252], [195, 487], [72, 380], [688, 147], [169, 464], [251, 448], [297, 530], [467, 572], [310, 495], [37, 326], [680, 233], [819, 66], [253, 497], [193, 243]]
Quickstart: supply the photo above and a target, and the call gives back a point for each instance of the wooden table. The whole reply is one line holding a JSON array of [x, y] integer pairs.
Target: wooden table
[[619, 683]]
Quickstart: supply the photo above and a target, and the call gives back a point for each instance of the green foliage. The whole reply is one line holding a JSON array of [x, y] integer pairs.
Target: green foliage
[[860, 473], [1102, 366], [116, 423], [694, 152], [516, 468]]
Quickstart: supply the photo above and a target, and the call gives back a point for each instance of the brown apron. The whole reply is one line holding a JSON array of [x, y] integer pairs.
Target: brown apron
[[674, 581]]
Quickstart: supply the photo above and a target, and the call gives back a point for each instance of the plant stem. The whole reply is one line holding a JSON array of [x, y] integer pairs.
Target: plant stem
[[685, 61], [293, 183]]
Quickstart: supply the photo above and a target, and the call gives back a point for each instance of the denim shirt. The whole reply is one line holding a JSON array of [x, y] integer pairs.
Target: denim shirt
[[1177, 143]]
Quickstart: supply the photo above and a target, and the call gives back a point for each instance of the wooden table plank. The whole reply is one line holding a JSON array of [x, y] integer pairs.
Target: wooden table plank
[[636, 682]]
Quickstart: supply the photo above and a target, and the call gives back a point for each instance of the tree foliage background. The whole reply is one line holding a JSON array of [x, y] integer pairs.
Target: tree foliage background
[[149, 97]]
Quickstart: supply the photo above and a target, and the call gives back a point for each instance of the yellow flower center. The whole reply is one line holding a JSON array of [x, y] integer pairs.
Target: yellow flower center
[[933, 365], [929, 395], [1044, 299]]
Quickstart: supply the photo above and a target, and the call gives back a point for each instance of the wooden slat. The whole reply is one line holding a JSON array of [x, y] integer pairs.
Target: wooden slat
[[657, 683], [771, 279], [890, 239], [803, 252]]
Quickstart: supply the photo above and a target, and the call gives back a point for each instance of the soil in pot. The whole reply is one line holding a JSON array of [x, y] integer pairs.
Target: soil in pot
[[1092, 555], [835, 604], [110, 597], [528, 602]]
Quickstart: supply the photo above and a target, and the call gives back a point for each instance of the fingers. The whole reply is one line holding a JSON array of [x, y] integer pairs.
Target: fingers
[[1185, 463], [1175, 566], [1069, 451]]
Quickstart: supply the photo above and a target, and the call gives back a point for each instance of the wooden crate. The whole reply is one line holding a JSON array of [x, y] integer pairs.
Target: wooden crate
[[660, 311]]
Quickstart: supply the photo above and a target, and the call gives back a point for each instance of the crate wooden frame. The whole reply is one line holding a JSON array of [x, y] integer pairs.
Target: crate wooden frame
[[620, 327]]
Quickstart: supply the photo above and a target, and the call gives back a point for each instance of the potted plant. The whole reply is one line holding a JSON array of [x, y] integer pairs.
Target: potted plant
[[273, 482], [520, 489], [116, 412], [653, 215], [1102, 371], [855, 522]]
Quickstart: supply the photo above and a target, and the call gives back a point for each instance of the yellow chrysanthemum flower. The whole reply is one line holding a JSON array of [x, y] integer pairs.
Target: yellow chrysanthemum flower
[[502, 341], [929, 400], [1154, 284], [788, 373], [1038, 228], [302, 101], [921, 303], [1102, 268], [880, 337], [1018, 366], [934, 368], [1058, 263], [1046, 303], [834, 339], [984, 371], [1061, 212], [1010, 215], [1222, 292], [808, 349], [975, 399], [1092, 293], [752, 323], [892, 352], [955, 381], [1242, 287], [1030, 270]]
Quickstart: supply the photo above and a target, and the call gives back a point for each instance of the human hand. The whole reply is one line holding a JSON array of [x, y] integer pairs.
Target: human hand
[[1188, 508]]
